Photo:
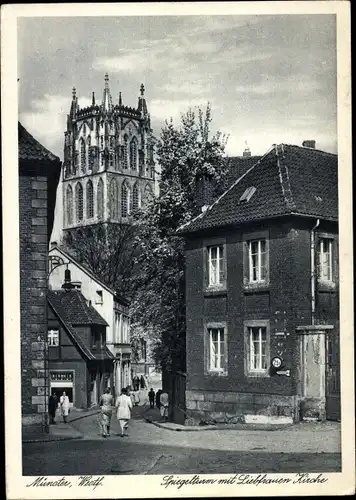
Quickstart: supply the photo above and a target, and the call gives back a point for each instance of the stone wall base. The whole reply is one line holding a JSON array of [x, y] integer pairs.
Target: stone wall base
[[312, 408], [207, 407]]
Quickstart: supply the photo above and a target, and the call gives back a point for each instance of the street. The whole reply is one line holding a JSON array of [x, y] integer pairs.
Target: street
[[152, 450]]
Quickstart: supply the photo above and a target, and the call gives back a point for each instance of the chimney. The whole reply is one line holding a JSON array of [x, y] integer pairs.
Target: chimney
[[247, 151], [309, 144], [67, 285]]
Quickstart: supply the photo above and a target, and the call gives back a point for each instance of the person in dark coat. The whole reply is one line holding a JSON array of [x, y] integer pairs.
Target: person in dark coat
[[136, 383], [158, 398], [52, 407], [151, 397], [142, 382]]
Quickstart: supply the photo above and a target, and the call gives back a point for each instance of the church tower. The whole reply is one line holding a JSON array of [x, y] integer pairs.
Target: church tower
[[108, 168]]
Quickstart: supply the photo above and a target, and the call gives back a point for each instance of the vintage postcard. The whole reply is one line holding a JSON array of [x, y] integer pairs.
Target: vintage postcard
[[178, 266]]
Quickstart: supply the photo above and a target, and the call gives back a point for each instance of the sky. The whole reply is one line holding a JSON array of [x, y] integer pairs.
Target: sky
[[269, 79]]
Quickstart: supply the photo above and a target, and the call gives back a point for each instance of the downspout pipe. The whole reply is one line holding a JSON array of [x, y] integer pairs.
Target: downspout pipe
[[313, 267]]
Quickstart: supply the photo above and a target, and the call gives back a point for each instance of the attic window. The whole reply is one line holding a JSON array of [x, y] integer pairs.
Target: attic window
[[99, 297], [247, 194]]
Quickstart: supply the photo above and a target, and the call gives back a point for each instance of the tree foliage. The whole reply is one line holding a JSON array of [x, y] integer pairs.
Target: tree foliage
[[186, 154], [106, 250]]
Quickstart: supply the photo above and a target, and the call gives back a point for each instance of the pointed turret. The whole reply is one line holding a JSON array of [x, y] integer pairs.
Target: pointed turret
[[142, 106], [74, 105], [107, 100]]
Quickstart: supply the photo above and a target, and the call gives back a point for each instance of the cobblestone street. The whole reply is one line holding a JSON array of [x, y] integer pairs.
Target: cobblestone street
[[152, 450]]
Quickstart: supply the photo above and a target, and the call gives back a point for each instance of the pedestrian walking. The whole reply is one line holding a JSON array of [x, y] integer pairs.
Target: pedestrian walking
[[124, 406], [151, 397], [164, 400], [130, 394], [158, 395], [52, 408], [136, 397], [142, 382], [106, 404], [64, 402]]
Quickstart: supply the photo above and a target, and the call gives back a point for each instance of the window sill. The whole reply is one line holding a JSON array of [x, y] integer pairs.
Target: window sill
[[326, 286], [216, 373], [215, 292], [258, 375], [256, 287]]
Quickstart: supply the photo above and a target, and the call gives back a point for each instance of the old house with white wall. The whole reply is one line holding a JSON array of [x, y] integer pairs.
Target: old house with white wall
[[113, 308]]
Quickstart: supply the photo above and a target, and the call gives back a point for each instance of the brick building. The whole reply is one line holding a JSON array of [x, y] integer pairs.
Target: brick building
[[79, 361], [262, 294], [39, 172]]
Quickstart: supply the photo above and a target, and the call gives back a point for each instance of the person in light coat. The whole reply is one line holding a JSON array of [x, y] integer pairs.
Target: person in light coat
[[124, 407], [106, 402], [64, 402]]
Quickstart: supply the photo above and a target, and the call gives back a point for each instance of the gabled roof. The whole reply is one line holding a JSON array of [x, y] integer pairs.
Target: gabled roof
[[88, 272], [32, 150], [289, 180], [71, 308]]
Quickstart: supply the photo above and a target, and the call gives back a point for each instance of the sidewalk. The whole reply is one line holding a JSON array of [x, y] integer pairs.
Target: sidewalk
[[152, 416], [59, 431]]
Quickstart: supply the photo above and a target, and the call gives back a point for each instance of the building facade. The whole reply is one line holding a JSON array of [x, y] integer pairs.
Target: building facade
[[108, 168], [39, 172], [113, 308], [262, 294], [79, 361]]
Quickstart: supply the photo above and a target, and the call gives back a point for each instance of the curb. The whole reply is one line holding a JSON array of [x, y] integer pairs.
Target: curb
[[53, 438], [215, 428], [80, 417]]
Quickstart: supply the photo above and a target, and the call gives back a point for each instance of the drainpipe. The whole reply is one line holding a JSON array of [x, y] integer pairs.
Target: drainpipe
[[313, 273]]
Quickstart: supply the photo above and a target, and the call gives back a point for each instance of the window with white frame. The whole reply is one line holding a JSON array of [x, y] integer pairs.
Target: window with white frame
[[326, 259], [257, 261], [53, 338], [125, 330], [217, 354], [216, 265], [257, 343]]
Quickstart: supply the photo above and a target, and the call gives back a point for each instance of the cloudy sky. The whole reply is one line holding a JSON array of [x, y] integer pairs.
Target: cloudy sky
[[269, 79]]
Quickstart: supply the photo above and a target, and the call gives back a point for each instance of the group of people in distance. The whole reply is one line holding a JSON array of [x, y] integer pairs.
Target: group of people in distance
[[162, 402], [53, 404], [123, 405]]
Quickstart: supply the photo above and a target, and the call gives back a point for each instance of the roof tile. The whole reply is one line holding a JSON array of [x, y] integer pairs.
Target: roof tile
[[30, 149]]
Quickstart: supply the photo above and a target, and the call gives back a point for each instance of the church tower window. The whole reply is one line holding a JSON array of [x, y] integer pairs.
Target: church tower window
[[125, 152], [89, 160], [90, 200], [100, 199], [125, 199], [82, 155], [135, 197], [114, 194], [133, 154], [79, 201], [148, 193], [69, 205]]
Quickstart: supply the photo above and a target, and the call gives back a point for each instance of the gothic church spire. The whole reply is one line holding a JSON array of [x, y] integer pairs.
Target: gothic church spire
[[107, 99]]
